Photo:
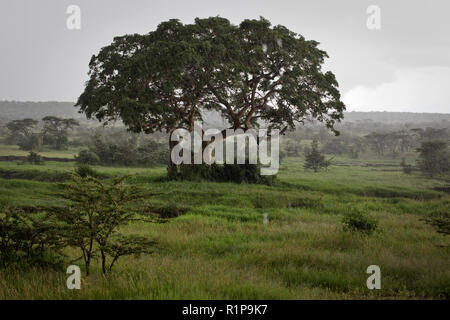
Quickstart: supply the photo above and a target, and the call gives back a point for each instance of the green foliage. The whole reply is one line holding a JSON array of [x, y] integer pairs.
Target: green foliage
[[84, 171], [87, 157], [224, 233], [434, 158], [184, 52], [55, 131], [440, 221], [314, 159], [357, 221], [21, 132], [29, 240], [165, 79], [171, 210], [92, 221], [19, 129], [237, 173], [34, 158], [128, 153], [31, 142]]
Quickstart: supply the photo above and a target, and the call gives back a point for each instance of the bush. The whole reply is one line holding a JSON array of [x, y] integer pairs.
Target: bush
[[314, 159], [96, 213], [237, 173], [359, 222], [440, 221], [87, 157], [171, 210], [34, 158], [84, 170], [128, 153], [28, 240]]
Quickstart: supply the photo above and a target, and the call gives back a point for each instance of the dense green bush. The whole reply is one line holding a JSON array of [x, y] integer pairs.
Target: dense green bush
[[29, 240], [171, 210], [87, 157], [128, 153], [34, 158], [439, 221], [84, 170], [238, 173], [357, 221], [314, 159]]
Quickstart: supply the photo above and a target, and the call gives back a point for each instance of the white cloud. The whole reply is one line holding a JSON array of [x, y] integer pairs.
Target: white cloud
[[425, 89]]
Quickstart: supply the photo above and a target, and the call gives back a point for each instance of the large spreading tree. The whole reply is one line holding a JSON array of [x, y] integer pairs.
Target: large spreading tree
[[253, 74]]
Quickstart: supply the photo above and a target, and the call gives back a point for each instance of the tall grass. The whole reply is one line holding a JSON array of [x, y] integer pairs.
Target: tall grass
[[220, 248]]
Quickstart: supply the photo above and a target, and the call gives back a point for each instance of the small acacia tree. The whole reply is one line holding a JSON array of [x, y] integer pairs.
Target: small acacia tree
[[251, 74], [96, 211]]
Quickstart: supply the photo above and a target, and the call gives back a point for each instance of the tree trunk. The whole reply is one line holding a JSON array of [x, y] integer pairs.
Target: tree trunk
[[103, 262]]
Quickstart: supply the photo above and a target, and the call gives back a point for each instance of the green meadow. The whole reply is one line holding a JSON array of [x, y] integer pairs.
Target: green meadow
[[221, 247]]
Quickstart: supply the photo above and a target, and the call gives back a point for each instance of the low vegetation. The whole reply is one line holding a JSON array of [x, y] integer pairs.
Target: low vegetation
[[215, 244]]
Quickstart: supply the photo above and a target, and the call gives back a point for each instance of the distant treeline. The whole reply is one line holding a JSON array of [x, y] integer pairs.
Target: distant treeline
[[11, 110], [396, 117]]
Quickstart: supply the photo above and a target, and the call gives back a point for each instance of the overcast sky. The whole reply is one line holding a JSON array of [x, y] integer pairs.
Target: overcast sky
[[403, 66]]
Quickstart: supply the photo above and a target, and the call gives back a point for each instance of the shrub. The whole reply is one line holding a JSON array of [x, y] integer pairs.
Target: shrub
[[29, 240], [171, 210], [128, 153], [84, 170], [314, 159], [87, 157], [357, 221], [92, 221], [34, 158], [237, 173], [439, 221]]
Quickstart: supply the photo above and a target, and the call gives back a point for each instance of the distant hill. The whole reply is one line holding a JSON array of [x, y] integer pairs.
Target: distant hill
[[395, 117], [10, 110]]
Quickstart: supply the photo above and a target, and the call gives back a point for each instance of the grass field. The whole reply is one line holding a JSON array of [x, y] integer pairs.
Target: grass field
[[221, 249]]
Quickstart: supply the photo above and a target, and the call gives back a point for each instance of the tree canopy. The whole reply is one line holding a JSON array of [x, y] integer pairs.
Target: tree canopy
[[162, 80], [252, 74]]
